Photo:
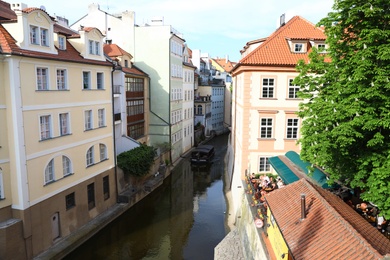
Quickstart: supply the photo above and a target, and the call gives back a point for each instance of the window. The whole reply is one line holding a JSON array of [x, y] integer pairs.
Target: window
[[89, 157], [61, 42], [64, 124], [100, 81], [49, 172], [91, 196], [134, 84], [321, 47], [88, 119], [2, 196], [264, 165], [94, 47], [45, 124], [292, 89], [298, 47], [86, 80], [136, 130], [44, 37], [126, 63], [103, 152], [106, 188], [42, 79], [102, 117], [200, 108], [61, 79], [34, 34], [266, 128], [134, 107], [292, 128], [66, 166], [70, 201], [268, 88]]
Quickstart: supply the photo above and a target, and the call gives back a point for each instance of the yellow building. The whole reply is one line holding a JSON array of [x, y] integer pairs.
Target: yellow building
[[56, 143]]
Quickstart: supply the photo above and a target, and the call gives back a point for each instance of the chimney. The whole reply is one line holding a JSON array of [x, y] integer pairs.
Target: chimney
[[282, 20], [303, 206]]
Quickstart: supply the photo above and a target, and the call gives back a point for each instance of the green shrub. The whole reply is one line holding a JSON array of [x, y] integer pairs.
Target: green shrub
[[137, 161]]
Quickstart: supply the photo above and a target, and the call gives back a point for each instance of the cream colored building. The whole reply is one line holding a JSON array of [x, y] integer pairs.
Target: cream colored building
[[56, 143], [265, 102]]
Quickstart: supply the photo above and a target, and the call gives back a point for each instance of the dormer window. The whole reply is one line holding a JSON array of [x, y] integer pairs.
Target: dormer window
[[61, 43], [94, 47], [39, 36], [298, 47], [126, 63], [321, 47]]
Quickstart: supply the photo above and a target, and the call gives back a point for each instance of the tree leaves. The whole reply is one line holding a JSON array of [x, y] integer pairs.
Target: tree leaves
[[346, 127]]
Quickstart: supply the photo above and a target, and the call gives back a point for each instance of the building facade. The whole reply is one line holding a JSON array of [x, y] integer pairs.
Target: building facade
[[265, 101], [56, 150]]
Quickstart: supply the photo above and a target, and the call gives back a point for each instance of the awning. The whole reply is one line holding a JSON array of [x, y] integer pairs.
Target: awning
[[283, 171], [318, 176]]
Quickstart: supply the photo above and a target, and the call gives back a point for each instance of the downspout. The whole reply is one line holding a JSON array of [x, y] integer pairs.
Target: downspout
[[113, 128]]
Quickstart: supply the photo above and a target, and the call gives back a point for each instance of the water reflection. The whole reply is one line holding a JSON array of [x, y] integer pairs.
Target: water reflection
[[183, 219]]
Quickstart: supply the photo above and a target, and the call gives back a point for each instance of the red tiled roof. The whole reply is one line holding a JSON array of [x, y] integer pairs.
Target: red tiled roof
[[275, 49], [113, 50], [226, 65], [135, 71], [8, 45], [331, 229], [64, 30], [31, 9]]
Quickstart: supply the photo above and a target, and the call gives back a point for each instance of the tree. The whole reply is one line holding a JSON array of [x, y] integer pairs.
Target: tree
[[346, 113], [137, 161]]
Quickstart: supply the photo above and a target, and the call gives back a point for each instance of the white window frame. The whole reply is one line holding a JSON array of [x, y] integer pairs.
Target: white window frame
[[103, 152], [90, 46], [66, 166], [292, 127], [292, 89], [64, 121], [44, 33], [102, 117], [266, 129], [90, 156], [264, 165], [100, 80], [61, 42], [49, 172], [86, 80], [268, 88], [299, 47], [34, 34], [42, 74], [97, 48], [61, 79], [321, 47], [88, 120], [45, 127]]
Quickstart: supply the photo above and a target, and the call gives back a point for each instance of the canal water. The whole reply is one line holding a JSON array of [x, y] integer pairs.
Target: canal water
[[182, 219]]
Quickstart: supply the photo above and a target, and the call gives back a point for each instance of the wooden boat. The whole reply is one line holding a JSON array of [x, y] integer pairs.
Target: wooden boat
[[202, 154]]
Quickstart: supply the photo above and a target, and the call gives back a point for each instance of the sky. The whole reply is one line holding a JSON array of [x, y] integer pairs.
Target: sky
[[220, 28]]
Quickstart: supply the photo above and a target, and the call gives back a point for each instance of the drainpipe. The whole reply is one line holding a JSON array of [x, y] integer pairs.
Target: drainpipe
[[113, 127]]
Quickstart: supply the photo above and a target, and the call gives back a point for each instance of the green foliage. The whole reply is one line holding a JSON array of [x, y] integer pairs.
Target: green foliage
[[346, 127], [137, 161]]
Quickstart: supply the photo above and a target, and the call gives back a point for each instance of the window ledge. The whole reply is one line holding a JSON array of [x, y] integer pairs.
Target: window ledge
[[263, 98], [266, 139], [290, 139], [294, 99]]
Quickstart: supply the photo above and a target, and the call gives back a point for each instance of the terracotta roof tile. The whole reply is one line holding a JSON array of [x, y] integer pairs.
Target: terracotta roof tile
[[31, 9], [8, 45], [113, 50], [134, 71], [64, 30], [331, 229], [276, 51], [226, 65]]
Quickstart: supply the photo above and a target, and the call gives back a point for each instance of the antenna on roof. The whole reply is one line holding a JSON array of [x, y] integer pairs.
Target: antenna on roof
[[282, 20]]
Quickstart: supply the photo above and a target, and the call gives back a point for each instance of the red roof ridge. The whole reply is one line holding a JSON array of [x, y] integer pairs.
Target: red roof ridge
[[281, 53]]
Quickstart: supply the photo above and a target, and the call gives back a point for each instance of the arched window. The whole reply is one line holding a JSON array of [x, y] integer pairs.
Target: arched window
[[103, 152], [200, 110], [49, 172], [89, 156], [66, 166]]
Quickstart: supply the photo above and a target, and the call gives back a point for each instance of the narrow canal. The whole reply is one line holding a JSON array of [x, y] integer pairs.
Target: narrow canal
[[183, 219]]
